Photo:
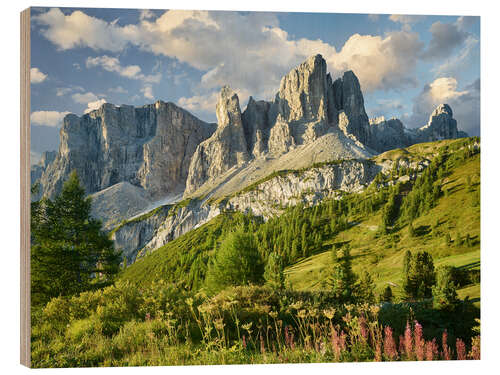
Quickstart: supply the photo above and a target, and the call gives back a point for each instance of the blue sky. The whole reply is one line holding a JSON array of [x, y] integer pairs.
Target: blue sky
[[406, 64]]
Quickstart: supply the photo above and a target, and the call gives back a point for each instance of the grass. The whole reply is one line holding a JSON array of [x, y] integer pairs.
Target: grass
[[382, 255]]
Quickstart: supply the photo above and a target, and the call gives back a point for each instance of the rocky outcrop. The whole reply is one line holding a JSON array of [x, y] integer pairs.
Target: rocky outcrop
[[390, 134], [149, 146], [226, 148], [349, 100], [131, 236], [38, 169], [267, 199], [122, 200], [441, 125]]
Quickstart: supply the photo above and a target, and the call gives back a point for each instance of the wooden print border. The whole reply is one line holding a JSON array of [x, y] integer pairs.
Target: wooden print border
[[25, 55]]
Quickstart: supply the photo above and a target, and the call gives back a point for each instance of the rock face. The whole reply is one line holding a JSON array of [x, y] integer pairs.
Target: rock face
[[349, 100], [441, 125], [226, 148], [389, 134], [149, 146], [38, 169]]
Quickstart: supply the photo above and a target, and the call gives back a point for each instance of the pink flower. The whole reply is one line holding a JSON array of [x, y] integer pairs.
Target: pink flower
[[431, 350], [419, 342], [446, 349], [389, 345], [408, 342], [244, 342], [461, 353]]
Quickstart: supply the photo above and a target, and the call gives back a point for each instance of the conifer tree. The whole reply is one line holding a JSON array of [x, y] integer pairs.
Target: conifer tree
[[70, 253], [273, 272]]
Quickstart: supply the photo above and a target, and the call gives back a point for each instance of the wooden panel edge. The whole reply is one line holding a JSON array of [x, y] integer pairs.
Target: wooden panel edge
[[25, 55]]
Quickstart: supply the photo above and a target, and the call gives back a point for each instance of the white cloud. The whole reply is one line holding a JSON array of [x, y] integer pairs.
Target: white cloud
[[202, 40], [147, 91], [77, 66], [380, 62], [146, 14], [84, 98], [118, 90], [406, 19], [91, 106], [62, 91], [36, 76], [465, 103], [47, 118], [200, 102], [80, 30], [112, 64]]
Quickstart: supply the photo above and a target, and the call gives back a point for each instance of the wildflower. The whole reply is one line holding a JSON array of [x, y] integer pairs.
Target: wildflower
[[148, 317], [431, 350], [461, 350], [475, 351], [247, 327], [244, 344], [302, 314], [363, 329], [378, 352], [219, 324], [287, 337], [389, 345], [408, 341], [419, 342], [273, 314], [446, 349], [329, 313]]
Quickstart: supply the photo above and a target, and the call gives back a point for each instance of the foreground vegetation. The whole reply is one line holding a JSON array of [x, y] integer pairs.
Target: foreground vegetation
[[388, 274], [165, 325]]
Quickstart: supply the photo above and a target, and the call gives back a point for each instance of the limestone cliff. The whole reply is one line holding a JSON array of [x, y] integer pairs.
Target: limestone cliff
[[149, 146]]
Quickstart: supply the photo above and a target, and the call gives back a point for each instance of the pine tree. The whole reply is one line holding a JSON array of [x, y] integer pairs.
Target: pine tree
[[419, 276], [387, 295], [70, 253], [236, 262], [343, 279], [273, 272], [444, 292]]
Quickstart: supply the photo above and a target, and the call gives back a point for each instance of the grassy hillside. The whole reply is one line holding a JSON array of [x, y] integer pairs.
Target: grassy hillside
[[456, 212]]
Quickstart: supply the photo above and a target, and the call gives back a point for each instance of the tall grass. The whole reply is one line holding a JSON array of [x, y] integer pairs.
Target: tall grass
[[163, 325]]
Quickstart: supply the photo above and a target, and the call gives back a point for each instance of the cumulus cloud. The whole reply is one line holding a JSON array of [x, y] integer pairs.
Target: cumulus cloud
[[199, 102], [112, 64], [406, 19], [118, 90], [47, 118], [84, 98], [63, 91], [201, 39], [380, 62], [91, 106], [36, 76], [465, 103], [147, 91], [146, 14], [446, 37], [80, 30]]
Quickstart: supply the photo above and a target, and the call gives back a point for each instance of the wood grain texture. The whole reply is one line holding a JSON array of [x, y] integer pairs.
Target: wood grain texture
[[25, 188]]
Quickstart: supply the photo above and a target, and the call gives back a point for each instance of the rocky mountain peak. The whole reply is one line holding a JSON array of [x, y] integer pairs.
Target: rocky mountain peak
[[303, 92], [441, 124]]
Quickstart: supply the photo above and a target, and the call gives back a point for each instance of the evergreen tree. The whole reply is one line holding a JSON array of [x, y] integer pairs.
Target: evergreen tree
[[343, 279], [419, 276], [236, 262], [387, 295], [273, 272], [445, 290], [70, 253], [365, 289]]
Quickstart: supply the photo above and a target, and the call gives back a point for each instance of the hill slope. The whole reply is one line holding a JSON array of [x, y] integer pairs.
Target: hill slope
[[355, 219]]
